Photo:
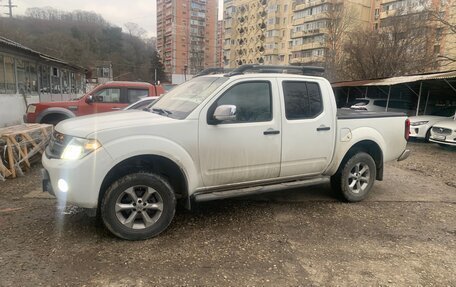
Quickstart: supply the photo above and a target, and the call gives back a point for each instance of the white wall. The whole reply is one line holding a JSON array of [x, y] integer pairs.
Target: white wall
[[12, 110]]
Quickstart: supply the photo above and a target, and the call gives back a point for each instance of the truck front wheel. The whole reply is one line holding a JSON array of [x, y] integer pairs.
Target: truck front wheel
[[355, 178], [138, 206]]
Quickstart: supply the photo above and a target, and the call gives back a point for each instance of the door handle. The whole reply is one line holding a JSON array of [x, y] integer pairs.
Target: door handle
[[115, 109], [323, 128], [271, 132]]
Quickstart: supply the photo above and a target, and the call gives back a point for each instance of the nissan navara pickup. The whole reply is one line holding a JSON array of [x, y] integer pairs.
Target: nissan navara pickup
[[256, 129]]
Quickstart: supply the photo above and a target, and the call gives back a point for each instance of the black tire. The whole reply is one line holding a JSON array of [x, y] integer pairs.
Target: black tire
[[161, 194], [341, 181], [428, 135], [53, 119]]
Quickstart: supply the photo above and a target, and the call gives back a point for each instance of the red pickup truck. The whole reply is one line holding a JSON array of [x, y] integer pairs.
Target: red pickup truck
[[104, 98]]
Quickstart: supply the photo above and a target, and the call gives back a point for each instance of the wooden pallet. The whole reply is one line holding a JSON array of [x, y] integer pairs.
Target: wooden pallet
[[20, 144]]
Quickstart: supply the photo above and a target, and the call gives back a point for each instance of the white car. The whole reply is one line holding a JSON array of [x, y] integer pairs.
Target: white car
[[215, 137], [444, 133], [379, 105], [421, 125]]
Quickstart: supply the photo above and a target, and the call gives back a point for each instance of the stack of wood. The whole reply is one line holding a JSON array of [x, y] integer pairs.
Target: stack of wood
[[19, 145]]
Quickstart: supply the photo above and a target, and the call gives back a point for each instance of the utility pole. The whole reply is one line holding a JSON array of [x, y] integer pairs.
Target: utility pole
[[10, 6]]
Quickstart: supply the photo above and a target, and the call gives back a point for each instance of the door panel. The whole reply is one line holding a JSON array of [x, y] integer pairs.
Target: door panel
[[308, 129], [240, 150], [105, 100]]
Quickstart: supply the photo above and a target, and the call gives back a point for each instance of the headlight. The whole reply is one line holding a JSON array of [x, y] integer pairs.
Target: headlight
[[78, 148], [31, 109], [419, 123]]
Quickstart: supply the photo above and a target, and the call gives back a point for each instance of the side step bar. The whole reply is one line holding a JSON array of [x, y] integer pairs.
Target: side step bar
[[218, 195]]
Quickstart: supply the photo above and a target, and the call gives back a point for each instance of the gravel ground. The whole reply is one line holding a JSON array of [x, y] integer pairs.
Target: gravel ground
[[404, 234], [432, 160]]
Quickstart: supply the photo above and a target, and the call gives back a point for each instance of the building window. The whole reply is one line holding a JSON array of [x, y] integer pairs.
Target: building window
[[10, 77], [2, 76], [437, 49], [45, 84], [55, 81]]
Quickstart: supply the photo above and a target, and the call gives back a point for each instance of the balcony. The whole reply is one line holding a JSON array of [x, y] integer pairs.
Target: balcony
[[308, 46], [308, 4], [310, 18], [308, 60], [300, 34], [273, 51]]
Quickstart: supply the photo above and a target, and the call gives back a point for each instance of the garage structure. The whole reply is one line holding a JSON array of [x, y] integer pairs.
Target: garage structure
[[28, 76], [419, 94]]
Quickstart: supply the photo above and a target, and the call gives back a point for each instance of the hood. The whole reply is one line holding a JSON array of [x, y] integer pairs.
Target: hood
[[62, 104], [86, 125], [448, 124]]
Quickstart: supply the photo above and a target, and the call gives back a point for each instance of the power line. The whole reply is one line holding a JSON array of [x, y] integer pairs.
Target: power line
[[10, 7]]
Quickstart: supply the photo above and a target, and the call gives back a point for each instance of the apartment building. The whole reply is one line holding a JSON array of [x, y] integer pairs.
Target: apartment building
[[282, 32], [256, 32], [186, 36], [314, 22], [245, 32], [442, 41], [219, 45]]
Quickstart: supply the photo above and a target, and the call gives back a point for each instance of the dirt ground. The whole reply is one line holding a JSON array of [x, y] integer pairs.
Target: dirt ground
[[404, 234]]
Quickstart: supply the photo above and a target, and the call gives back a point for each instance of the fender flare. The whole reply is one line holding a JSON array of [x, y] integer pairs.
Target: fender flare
[[55, 110], [358, 135]]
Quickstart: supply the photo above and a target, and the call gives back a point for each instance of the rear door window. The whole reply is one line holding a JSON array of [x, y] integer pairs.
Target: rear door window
[[303, 100]]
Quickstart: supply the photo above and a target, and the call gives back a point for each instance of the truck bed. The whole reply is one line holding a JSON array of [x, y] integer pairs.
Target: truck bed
[[347, 114]]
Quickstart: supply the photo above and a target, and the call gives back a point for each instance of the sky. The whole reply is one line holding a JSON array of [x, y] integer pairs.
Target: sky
[[117, 12]]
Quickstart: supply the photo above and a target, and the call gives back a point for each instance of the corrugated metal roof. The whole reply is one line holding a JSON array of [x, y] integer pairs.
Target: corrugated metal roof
[[45, 57], [397, 80]]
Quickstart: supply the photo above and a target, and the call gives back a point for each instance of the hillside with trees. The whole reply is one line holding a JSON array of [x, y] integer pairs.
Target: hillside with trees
[[85, 39]]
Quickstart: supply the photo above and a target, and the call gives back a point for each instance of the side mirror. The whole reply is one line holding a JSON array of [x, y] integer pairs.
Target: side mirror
[[225, 113], [89, 99]]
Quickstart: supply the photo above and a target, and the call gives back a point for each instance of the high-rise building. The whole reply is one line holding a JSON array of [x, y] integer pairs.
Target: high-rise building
[[186, 36], [256, 32], [426, 13], [245, 32], [315, 22], [219, 45], [282, 32]]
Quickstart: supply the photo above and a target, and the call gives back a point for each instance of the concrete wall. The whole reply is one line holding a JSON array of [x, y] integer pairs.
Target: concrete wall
[[12, 109]]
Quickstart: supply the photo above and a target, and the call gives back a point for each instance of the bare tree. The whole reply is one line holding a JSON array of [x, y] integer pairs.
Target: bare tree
[[402, 46], [135, 30], [444, 19], [341, 19]]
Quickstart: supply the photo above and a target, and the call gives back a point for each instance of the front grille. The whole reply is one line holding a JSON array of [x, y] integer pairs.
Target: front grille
[[441, 131], [56, 145]]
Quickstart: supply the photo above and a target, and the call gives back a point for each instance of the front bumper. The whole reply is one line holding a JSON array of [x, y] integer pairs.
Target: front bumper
[[450, 143], [447, 139], [83, 177], [418, 131]]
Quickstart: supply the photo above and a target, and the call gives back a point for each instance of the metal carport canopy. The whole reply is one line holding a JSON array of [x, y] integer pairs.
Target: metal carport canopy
[[397, 80]]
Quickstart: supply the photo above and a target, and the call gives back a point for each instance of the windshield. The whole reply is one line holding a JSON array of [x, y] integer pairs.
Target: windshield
[[448, 112], [183, 99]]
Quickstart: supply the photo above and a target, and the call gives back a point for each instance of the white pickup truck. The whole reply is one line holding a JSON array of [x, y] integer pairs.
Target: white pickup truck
[[215, 137]]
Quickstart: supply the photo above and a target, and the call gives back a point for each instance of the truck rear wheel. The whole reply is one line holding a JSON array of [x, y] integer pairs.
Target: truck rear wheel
[[138, 206], [355, 178]]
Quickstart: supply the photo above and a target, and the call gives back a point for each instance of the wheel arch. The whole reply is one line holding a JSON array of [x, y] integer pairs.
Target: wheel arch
[[158, 164], [370, 147], [55, 111]]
